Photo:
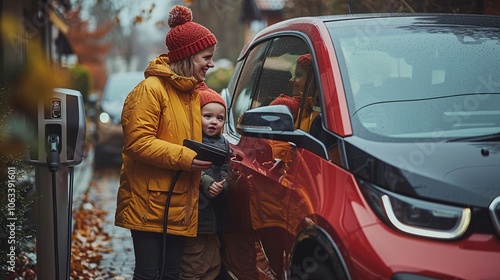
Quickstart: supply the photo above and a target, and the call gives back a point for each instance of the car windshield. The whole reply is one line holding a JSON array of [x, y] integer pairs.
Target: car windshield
[[119, 87], [116, 90], [420, 80]]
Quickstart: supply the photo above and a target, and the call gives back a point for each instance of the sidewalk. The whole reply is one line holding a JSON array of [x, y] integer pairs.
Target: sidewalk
[[95, 196], [120, 261]]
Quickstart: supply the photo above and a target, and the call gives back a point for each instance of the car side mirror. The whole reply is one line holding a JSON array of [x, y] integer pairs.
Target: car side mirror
[[276, 117], [276, 123]]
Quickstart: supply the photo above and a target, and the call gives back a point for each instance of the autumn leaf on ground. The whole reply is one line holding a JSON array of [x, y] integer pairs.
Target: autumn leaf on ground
[[89, 242]]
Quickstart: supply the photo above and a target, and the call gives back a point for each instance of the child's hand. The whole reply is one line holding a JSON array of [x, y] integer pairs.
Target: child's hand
[[216, 188]]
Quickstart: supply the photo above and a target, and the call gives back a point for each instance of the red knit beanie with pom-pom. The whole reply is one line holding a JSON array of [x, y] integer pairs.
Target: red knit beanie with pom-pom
[[186, 37], [305, 60]]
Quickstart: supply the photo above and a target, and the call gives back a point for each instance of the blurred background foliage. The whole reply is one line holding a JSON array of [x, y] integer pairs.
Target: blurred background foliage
[[12, 150], [81, 80], [28, 84], [219, 78]]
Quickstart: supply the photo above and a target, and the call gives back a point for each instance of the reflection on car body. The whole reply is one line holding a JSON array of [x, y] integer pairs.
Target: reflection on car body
[[390, 168]]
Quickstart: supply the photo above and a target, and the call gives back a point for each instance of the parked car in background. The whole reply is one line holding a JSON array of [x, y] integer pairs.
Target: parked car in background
[[108, 135], [391, 167]]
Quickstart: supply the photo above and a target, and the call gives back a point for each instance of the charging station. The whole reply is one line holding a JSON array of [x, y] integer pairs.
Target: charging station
[[59, 128]]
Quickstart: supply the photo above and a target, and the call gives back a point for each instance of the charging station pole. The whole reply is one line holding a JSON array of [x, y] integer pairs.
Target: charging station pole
[[59, 125], [45, 235]]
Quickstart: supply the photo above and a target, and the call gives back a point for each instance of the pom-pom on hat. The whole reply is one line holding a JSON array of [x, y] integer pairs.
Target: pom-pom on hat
[[208, 95], [304, 60], [186, 37]]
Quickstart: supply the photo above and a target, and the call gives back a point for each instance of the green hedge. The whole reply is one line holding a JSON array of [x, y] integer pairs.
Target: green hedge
[[17, 233], [219, 79], [81, 80]]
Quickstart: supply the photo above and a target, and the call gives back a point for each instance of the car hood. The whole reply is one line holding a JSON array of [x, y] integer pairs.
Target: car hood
[[455, 172]]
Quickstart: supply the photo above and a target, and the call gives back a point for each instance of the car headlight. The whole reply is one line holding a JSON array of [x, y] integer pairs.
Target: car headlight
[[415, 216], [104, 117]]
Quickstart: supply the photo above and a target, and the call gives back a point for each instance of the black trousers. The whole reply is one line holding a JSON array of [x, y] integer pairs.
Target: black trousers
[[148, 253]]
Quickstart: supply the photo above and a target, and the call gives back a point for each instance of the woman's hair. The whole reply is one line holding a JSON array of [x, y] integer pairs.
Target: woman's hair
[[183, 67]]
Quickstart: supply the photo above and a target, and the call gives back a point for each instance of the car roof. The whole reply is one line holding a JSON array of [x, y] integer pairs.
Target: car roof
[[307, 24]]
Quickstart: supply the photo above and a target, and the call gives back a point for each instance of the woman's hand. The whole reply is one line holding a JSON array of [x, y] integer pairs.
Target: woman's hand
[[200, 165], [216, 188]]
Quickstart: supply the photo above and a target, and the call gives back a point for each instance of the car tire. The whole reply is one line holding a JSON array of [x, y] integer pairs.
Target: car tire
[[321, 272]]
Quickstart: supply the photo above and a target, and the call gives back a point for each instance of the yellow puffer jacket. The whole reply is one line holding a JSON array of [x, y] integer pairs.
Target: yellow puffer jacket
[[157, 116]]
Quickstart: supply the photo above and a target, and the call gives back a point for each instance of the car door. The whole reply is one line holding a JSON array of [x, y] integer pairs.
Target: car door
[[239, 237], [262, 170]]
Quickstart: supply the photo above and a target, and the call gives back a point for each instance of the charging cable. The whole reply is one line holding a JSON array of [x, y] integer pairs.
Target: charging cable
[[70, 218], [194, 146], [165, 220], [53, 162]]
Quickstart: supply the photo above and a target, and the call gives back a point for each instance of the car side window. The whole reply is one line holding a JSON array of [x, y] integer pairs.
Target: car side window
[[277, 71], [228, 94], [310, 107], [246, 83], [283, 78]]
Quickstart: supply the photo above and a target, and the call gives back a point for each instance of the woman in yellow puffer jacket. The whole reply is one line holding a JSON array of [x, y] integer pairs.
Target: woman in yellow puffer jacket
[[158, 114]]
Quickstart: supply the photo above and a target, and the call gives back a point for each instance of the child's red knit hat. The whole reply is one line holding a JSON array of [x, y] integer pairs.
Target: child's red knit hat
[[186, 37], [208, 95], [292, 103]]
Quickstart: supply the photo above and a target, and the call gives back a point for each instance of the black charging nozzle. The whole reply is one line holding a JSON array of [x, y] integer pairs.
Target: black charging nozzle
[[53, 160]]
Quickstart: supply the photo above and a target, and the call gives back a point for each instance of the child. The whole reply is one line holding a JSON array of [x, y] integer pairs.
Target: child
[[201, 258]]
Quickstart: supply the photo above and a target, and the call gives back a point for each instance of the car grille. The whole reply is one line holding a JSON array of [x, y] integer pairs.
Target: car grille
[[495, 214]]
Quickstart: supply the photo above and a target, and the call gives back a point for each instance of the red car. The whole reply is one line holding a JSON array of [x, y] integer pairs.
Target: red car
[[366, 147]]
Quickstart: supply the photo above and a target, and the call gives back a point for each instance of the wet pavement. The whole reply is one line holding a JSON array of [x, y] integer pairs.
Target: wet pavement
[[120, 260], [98, 190]]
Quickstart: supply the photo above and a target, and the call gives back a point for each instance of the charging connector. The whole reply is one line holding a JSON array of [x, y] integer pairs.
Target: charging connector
[[53, 158]]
